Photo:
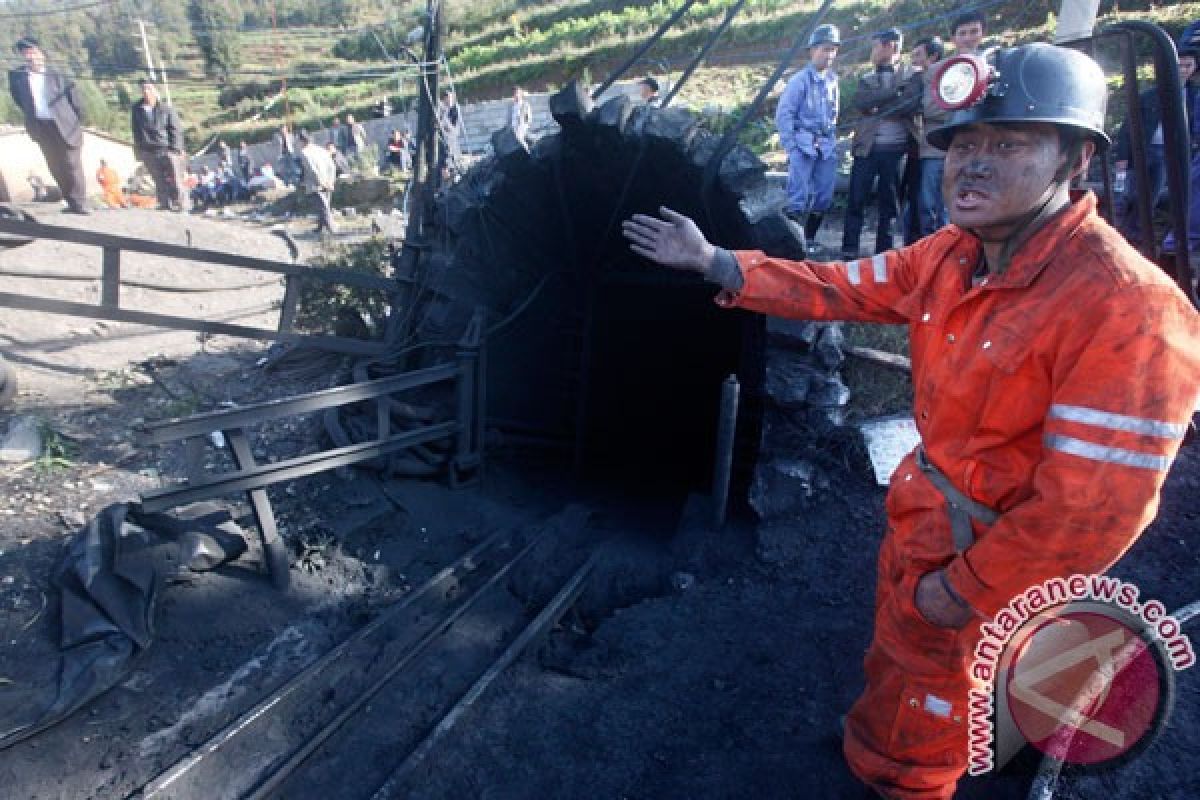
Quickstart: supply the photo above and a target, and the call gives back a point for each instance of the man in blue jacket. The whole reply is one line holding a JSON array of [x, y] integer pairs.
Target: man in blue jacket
[[806, 119]]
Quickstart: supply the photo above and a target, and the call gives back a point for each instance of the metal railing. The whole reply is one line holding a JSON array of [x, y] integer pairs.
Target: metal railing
[[109, 306], [464, 434]]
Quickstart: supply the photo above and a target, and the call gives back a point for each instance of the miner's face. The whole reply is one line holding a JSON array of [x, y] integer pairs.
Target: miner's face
[[997, 174]]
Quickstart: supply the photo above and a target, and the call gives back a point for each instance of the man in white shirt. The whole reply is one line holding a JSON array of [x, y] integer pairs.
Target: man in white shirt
[[320, 176], [51, 106], [520, 116]]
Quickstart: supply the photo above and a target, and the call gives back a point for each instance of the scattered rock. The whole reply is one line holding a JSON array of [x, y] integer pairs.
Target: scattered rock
[[22, 442]]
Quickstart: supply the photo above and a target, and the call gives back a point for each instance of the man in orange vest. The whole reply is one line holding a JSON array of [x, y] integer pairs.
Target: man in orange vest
[[109, 181], [1055, 372]]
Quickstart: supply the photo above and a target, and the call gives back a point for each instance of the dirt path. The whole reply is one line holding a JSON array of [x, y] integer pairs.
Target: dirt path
[[56, 356]]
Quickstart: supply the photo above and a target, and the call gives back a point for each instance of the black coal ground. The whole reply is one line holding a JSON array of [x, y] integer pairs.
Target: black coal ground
[[731, 687]]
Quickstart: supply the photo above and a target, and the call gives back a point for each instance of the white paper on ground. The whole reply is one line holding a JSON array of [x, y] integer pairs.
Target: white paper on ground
[[889, 439]]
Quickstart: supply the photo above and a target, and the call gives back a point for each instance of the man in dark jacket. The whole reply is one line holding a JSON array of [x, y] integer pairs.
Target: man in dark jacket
[[158, 143], [888, 98], [51, 106], [1156, 175]]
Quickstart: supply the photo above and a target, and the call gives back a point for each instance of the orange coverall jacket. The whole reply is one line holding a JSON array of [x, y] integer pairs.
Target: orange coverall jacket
[[1056, 393]]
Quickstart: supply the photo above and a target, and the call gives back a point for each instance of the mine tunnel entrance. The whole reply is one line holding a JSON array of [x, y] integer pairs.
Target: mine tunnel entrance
[[658, 356], [613, 363]]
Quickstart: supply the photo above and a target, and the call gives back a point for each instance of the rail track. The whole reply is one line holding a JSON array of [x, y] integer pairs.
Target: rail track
[[368, 712]]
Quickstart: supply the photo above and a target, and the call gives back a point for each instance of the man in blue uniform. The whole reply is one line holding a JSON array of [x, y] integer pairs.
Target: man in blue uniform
[[806, 118]]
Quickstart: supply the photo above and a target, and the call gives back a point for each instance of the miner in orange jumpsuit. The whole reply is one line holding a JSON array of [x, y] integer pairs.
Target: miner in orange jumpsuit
[[107, 177], [1055, 372]]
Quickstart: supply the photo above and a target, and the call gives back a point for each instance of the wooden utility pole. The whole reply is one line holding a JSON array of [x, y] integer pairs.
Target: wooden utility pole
[[425, 177], [150, 62], [425, 168]]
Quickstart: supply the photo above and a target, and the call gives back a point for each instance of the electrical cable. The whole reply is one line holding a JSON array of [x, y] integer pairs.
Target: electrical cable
[[49, 12]]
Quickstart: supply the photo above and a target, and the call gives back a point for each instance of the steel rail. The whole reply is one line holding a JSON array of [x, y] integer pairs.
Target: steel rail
[[548, 616], [201, 756], [276, 778]]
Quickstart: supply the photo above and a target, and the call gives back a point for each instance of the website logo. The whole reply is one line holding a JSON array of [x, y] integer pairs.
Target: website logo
[[1077, 667]]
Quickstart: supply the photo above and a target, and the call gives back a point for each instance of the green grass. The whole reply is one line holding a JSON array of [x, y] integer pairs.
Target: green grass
[[542, 45]]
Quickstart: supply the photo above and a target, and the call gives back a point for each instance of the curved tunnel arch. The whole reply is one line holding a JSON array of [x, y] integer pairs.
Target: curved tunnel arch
[[590, 345]]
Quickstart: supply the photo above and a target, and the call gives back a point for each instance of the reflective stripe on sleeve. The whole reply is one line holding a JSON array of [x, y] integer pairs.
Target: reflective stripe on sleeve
[[852, 273], [1099, 452], [1117, 422], [879, 267]]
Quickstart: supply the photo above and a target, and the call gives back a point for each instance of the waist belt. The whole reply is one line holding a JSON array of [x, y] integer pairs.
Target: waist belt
[[960, 508]]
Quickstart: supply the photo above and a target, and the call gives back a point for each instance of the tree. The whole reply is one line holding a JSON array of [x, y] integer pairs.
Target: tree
[[215, 29]]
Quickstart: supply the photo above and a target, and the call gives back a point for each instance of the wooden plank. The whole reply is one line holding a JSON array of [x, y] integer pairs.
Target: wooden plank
[[882, 357]]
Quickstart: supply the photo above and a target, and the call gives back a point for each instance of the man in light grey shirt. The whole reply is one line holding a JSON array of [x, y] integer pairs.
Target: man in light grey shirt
[[320, 177]]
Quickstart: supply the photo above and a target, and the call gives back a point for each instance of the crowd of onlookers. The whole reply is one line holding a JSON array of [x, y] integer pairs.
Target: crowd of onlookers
[[893, 99], [894, 105]]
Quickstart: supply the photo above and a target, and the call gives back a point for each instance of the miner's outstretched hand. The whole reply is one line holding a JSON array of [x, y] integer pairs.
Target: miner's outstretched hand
[[673, 241]]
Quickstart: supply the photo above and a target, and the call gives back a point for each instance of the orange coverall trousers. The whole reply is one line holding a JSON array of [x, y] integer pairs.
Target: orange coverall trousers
[[1056, 393], [110, 183]]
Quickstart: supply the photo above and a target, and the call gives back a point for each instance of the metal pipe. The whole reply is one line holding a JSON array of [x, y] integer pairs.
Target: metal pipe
[[726, 432], [713, 167], [699, 59], [641, 51], [1176, 155]]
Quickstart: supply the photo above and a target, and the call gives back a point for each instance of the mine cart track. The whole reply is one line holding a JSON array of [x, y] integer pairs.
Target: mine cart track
[[388, 676]]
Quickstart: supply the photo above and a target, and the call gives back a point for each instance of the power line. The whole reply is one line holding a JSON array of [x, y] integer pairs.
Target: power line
[[48, 12]]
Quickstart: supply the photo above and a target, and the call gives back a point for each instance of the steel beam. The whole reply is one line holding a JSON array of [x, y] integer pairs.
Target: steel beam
[[299, 467], [202, 424]]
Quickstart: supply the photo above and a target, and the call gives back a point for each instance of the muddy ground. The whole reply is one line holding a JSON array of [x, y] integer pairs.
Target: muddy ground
[[711, 670]]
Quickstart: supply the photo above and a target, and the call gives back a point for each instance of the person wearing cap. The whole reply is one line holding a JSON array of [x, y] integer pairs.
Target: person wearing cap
[[888, 98], [806, 119], [50, 103], [158, 143], [319, 177], [648, 91], [1128, 216], [1055, 373]]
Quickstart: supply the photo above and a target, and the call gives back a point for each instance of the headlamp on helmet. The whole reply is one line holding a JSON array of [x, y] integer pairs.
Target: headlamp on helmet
[[961, 82]]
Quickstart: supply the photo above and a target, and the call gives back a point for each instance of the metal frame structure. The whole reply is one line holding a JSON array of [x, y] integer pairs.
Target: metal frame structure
[[1176, 151], [464, 432], [109, 307]]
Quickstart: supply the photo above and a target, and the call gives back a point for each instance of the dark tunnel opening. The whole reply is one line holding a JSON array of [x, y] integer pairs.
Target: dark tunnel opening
[[612, 364]]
